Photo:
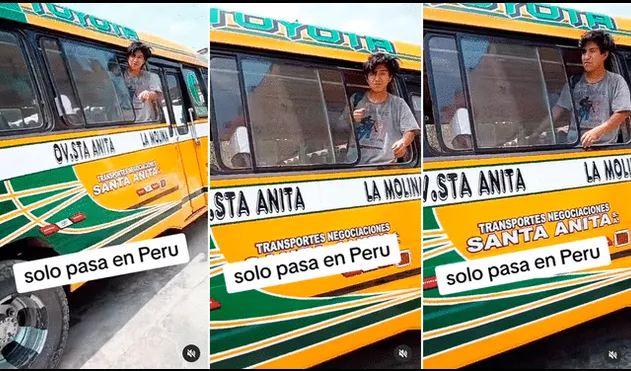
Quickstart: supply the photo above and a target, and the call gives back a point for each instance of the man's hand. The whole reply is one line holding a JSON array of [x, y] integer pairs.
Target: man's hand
[[591, 136], [399, 148], [596, 133], [359, 114], [148, 95]]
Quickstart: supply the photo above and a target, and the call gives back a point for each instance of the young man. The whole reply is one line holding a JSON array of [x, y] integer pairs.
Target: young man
[[385, 125], [144, 87], [601, 97]]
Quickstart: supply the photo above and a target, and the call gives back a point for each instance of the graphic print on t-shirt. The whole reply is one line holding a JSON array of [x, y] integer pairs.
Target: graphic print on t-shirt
[[586, 107], [371, 131]]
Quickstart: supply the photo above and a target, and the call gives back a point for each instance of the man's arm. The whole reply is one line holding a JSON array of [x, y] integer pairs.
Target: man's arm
[[620, 105]]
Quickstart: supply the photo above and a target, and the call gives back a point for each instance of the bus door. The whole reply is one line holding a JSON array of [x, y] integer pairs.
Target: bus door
[[176, 116], [198, 120]]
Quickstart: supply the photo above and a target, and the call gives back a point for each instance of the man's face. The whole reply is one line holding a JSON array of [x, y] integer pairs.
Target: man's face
[[592, 58], [136, 61], [379, 80]]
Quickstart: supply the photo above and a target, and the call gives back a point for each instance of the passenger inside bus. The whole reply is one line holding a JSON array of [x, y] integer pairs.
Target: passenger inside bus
[[144, 86], [384, 123], [513, 92], [600, 97]]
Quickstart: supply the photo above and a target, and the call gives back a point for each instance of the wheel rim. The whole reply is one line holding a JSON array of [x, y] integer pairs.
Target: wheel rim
[[23, 330]]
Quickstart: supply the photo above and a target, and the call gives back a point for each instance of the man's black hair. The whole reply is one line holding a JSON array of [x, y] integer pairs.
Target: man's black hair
[[390, 62], [603, 40], [136, 46]]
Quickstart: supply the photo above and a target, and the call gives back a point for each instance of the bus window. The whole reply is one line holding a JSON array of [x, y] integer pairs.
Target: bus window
[[19, 108], [297, 115], [179, 111], [99, 81], [513, 88], [205, 76], [234, 145], [430, 138], [65, 99], [453, 119], [164, 106], [417, 106], [195, 92]]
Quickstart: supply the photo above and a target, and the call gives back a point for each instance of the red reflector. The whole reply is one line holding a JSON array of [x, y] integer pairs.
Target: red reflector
[[214, 304], [609, 242], [430, 283], [49, 229], [622, 238], [140, 191], [155, 186], [78, 217], [405, 258], [351, 274]]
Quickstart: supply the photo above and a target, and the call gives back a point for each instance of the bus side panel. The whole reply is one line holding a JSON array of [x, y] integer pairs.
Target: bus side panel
[[562, 201], [317, 319], [99, 203]]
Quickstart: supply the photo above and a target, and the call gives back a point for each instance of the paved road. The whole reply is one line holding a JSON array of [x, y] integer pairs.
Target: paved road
[[582, 347], [100, 309]]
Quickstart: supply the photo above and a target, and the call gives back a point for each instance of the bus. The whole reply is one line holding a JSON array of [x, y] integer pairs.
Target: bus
[[79, 171], [284, 177], [493, 188]]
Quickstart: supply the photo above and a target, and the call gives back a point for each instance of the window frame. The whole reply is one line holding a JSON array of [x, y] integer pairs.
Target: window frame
[[167, 71], [200, 82], [55, 88], [434, 29], [237, 54], [117, 53], [275, 169], [33, 68]]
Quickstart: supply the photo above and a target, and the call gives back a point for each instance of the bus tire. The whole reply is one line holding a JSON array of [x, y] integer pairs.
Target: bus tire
[[56, 322]]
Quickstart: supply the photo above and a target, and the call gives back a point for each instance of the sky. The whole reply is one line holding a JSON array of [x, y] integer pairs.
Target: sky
[[392, 21], [185, 24]]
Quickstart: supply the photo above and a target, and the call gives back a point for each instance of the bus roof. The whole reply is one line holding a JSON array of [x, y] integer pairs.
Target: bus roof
[[541, 19], [59, 18], [236, 28]]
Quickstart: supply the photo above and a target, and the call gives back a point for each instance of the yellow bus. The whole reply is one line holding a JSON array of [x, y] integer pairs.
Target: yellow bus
[[492, 72], [284, 177], [78, 171]]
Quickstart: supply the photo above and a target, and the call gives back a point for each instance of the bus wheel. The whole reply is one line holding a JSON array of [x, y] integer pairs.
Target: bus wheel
[[33, 326]]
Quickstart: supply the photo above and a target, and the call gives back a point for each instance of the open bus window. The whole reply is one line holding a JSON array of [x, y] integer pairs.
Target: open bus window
[[574, 66], [296, 114], [19, 107], [513, 88], [356, 87], [234, 145], [454, 125], [100, 84]]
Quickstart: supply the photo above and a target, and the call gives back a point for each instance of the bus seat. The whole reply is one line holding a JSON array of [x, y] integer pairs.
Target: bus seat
[[460, 127], [240, 148]]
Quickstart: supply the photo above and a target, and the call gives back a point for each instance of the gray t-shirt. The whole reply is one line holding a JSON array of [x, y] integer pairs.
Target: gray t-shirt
[[383, 124], [145, 111], [595, 103]]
